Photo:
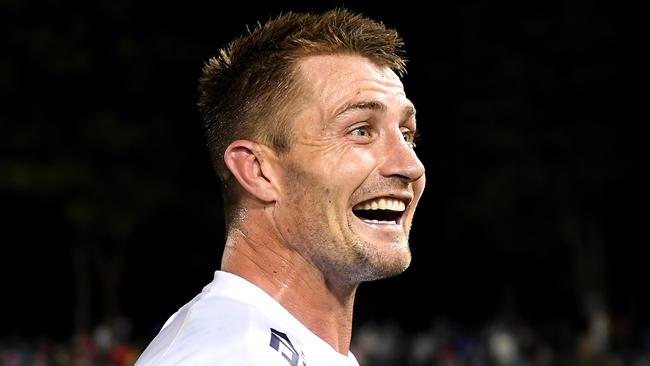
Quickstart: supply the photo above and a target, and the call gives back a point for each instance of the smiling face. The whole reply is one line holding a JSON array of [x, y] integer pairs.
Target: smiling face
[[351, 179]]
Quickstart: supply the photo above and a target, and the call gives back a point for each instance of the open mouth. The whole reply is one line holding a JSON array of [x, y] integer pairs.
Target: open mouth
[[380, 211]]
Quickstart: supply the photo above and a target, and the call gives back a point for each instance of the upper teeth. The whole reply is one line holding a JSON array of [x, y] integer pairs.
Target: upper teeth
[[382, 204]]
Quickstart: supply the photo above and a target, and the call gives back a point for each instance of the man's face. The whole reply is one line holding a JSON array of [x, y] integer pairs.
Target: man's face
[[351, 179]]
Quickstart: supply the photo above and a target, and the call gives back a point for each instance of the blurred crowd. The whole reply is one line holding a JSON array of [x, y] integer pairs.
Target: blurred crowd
[[443, 343], [501, 343], [106, 346]]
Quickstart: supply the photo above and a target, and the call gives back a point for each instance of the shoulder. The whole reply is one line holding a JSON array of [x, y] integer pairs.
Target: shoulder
[[214, 331]]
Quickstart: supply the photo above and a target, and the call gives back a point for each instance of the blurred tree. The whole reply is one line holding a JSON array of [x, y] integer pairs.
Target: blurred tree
[[76, 135]]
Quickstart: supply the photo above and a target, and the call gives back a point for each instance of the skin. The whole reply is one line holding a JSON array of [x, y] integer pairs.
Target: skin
[[297, 237]]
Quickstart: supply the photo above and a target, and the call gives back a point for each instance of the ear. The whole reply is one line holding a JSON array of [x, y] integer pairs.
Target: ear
[[249, 163]]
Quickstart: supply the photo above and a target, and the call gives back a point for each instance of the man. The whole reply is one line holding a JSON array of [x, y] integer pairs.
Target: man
[[312, 136]]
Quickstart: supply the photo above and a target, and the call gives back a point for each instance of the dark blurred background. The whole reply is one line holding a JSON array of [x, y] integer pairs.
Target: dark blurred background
[[530, 115]]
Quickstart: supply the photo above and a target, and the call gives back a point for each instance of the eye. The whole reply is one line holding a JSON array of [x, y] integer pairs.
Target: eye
[[363, 131], [410, 137]]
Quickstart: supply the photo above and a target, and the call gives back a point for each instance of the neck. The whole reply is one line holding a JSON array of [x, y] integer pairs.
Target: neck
[[322, 304]]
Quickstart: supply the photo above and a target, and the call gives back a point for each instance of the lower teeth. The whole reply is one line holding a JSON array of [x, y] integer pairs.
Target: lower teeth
[[381, 222]]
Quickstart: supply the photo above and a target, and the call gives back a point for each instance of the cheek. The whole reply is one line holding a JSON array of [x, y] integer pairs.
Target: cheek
[[353, 166], [332, 173], [419, 185]]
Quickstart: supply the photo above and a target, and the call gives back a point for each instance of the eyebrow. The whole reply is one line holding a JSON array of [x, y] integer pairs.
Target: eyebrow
[[409, 110]]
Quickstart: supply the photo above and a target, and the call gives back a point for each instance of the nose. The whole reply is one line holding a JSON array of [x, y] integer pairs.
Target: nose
[[400, 160]]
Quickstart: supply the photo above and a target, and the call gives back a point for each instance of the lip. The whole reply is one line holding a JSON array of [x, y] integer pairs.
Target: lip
[[383, 235], [397, 224]]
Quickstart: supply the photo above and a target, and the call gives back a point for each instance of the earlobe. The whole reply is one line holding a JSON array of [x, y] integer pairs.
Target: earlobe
[[247, 161]]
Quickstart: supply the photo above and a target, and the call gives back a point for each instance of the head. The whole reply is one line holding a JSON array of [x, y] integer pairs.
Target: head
[[252, 87], [322, 94]]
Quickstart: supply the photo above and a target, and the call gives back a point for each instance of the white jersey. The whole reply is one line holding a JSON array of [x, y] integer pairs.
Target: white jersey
[[233, 322]]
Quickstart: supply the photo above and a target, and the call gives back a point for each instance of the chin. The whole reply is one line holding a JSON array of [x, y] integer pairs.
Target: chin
[[398, 266], [366, 260], [390, 265]]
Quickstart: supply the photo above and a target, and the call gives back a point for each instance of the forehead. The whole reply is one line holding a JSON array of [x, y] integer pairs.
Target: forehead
[[338, 79], [345, 66]]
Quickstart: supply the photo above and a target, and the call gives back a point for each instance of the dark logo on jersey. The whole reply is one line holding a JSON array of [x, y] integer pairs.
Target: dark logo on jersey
[[281, 343]]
